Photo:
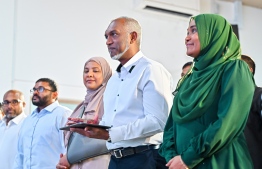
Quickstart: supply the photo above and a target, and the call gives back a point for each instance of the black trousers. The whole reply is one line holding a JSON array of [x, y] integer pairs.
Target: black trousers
[[149, 159]]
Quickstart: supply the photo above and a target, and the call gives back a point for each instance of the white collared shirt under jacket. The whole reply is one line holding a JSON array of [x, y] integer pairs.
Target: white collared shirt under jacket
[[40, 140], [137, 100], [9, 139]]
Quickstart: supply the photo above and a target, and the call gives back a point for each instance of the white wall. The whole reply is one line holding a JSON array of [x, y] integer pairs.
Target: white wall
[[6, 45], [54, 38], [251, 38]]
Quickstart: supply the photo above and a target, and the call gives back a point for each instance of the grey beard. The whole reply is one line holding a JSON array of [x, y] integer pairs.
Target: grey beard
[[118, 56], [10, 117]]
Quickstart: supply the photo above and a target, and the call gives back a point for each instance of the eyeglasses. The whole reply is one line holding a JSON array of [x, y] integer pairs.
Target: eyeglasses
[[13, 102], [40, 89]]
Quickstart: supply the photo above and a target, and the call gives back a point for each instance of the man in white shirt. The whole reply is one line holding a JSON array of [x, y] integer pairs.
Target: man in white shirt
[[13, 107], [40, 140], [137, 100]]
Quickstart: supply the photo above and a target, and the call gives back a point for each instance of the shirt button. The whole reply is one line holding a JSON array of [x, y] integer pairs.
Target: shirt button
[[118, 95], [122, 79], [114, 110]]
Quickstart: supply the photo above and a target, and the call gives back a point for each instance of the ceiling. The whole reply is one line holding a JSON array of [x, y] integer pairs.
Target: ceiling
[[252, 3]]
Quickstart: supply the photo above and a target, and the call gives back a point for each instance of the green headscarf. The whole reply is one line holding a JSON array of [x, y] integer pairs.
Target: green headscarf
[[219, 45]]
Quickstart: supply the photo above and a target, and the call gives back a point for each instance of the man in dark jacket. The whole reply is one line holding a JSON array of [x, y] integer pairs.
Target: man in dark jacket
[[253, 130]]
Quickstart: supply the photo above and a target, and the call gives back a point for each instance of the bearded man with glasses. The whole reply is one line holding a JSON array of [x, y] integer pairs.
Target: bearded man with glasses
[[13, 107], [40, 140]]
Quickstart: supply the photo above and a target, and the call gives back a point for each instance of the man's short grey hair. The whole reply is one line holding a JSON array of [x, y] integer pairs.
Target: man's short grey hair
[[21, 95], [132, 25]]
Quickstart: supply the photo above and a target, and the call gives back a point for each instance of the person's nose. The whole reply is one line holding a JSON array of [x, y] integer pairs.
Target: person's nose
[[109, 41], [90, 74], [35, 92], [187, 38]]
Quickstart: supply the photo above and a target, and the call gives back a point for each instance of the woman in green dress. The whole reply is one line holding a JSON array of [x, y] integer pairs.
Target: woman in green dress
[[212, 101]]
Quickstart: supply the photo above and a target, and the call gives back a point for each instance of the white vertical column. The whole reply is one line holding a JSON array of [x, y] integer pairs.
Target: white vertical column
[[7, 44]]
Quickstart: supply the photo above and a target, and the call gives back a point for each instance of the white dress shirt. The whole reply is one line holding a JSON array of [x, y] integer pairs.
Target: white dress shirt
[[8, 140], [137, 101], [40, 140]]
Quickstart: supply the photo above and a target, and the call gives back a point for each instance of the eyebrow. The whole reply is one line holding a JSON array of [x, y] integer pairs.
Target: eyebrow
[[107, 32], [191, 27], [112, 31]]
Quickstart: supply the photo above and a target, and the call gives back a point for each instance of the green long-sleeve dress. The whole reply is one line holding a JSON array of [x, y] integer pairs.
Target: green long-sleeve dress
[[212, 102]]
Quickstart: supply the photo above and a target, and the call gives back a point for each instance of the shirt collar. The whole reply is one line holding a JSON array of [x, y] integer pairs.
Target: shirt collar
[[15, 120], [131, 63], [48, 108]]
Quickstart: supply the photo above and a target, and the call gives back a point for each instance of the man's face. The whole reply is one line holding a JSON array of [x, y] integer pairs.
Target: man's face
[[44, 98], [14, 105], [117, 39], [185, 70]]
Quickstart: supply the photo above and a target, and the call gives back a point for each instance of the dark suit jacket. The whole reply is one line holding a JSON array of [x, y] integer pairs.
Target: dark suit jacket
[[253, 130]]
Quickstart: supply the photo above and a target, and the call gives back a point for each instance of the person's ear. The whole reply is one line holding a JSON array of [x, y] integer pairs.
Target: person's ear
[[54, 95], [133, 37], [24, 104], [251, 70]]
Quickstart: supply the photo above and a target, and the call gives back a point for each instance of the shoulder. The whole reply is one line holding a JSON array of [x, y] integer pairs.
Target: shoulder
[[150, 62], [152, 66], [62, 110], [257, 101], [236, 74], [236, 64], [236, 68], [258, 89], [258, 93]]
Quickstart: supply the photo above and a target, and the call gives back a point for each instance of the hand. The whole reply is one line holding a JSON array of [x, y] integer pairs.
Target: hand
[[176, 163], [92, 121], [63, 163], [74, 120], [92, 132]]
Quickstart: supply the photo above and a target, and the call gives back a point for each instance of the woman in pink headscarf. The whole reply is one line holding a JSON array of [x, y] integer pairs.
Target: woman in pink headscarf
[[95, 76]]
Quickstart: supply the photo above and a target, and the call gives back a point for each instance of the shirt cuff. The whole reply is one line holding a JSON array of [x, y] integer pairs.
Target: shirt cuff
[[115, 134]]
